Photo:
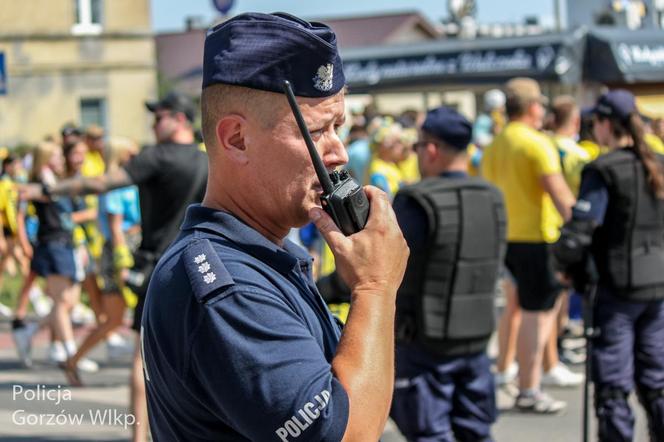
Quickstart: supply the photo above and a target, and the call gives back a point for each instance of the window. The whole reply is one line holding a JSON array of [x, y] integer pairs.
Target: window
[[93, 111], [88, 16]]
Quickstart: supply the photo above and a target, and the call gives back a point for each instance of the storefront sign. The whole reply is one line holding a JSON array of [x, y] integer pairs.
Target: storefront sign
[[641, 54], [538, 62]]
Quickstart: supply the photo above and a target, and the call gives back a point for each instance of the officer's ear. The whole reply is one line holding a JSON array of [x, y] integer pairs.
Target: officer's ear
[[230, 132], [432, 151]]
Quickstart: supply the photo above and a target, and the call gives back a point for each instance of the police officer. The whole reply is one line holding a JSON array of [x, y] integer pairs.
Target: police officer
[[619, 222], [238, 344], [455, 227]]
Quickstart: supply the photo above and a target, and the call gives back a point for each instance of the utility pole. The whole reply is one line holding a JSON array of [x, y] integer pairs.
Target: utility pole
[[557, 15]]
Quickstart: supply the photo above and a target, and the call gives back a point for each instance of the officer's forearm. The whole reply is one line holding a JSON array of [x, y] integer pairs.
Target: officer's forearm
[[87, 185], [364, 363], [78, 186]]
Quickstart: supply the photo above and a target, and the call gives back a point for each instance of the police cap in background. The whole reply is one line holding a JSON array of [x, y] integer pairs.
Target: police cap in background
[[448, 126], [618, 104]]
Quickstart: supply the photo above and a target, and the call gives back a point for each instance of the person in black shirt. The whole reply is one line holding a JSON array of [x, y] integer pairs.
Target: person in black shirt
[[170, 176]]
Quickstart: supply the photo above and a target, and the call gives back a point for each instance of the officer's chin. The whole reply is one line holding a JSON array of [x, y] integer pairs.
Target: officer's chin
[[304, 219]]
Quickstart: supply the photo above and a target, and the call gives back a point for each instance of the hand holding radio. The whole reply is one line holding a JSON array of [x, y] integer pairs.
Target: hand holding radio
[[372, 261]]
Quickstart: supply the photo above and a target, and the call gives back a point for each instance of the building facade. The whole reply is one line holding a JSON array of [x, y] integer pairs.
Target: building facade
[[81, 61]]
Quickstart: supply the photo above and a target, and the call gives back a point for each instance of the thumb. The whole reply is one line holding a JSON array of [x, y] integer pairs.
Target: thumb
[[325, 225]]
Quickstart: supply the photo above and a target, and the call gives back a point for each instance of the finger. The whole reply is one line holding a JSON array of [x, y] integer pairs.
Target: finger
[[380, 208], [325, 225]]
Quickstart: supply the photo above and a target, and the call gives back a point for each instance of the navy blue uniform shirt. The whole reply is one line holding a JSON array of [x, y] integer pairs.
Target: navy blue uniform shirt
[[593, 198], [237, 342]]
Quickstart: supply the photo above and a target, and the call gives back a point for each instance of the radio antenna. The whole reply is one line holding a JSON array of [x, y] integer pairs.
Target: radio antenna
[[321, 171]]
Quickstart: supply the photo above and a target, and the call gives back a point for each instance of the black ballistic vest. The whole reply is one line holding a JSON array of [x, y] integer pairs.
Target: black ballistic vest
[[629, 247], [446, 301]]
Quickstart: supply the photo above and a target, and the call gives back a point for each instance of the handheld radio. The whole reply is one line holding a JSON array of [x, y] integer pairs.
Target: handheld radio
[[343, 199]]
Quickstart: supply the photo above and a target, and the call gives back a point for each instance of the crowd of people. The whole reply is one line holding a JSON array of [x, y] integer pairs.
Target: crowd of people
[[518, 172], [57, 245], [66, 237], [534, 150]]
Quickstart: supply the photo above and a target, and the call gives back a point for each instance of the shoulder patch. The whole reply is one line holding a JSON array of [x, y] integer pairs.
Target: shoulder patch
[[205, 270]]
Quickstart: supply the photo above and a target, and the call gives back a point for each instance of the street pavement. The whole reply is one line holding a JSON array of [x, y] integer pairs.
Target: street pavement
[[102, 405]]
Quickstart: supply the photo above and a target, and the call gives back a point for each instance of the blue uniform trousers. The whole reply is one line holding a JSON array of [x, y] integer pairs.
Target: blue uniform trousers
[[443, 398], [628, 351]]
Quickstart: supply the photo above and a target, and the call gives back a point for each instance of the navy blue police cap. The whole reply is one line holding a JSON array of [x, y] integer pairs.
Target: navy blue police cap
[[260, 51], [618, 103], [449, 126]]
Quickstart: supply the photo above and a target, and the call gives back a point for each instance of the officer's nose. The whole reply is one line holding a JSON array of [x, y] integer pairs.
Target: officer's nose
[[334, 153]]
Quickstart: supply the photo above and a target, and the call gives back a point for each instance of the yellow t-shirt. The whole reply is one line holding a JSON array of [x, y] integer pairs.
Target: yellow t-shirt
[[93, 166], [515, 161], [655, 143], [573, 158], [385, 175], [410, 169], [8, 204]]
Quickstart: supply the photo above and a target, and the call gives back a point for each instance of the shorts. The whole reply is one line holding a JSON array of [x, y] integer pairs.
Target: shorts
[[57, 258], [531, 265], [108, 275], [7, 232]]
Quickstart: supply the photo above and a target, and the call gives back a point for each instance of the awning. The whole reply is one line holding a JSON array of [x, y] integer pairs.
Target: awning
[[624, 56], [556, 57]]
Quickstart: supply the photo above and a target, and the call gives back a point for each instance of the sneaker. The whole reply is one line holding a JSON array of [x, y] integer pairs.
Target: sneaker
[[57, 353], [573, 357], [23, 339], [117, 348], [82, 315], [41, 303], [540, 403], [573, 343], [508, 376], [5, 311], [561, 376], [116, 339], [87, 366]]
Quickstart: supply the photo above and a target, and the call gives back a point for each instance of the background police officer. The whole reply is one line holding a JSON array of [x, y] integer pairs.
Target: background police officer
[[619, 220], [238, 344], [455, 228]]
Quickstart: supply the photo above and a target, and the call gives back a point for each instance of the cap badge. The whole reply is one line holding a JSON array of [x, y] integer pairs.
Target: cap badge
[[323, 78]]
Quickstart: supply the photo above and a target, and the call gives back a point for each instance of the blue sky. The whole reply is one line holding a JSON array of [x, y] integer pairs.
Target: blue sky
[[170, 14]]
